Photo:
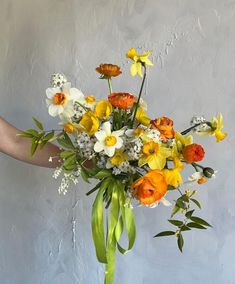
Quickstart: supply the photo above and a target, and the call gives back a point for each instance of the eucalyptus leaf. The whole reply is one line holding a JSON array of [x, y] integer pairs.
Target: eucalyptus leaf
[[196, 202]]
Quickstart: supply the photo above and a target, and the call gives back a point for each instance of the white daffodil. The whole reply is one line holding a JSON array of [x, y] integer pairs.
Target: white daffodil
[[108, 141], [60, 100]]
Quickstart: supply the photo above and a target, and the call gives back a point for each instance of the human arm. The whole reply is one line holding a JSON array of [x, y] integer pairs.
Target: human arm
[[19, 147]]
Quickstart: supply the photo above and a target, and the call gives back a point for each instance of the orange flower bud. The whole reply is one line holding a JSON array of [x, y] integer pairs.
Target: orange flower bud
[[121, 100], [193, 153], [165, 126], [150, 188]]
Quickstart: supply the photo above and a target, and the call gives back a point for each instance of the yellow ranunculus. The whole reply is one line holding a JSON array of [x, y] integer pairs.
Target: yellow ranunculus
[[139, 61], [90, 123], [142, 117], [103, 109], [173, 176]]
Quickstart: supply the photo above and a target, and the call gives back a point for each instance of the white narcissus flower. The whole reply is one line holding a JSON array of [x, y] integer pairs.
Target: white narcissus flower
[[108, 141], [60, 100]]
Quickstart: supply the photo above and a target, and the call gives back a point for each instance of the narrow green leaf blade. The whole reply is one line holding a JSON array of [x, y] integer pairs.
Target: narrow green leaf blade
[[165, 233], [180, 242], [38, 123], [177, 223], [200, 221]]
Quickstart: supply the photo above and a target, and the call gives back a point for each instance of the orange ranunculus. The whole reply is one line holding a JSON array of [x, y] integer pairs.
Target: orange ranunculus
[[165, 126], [193, 153], [109, 70], [150, 188], [121, 100]]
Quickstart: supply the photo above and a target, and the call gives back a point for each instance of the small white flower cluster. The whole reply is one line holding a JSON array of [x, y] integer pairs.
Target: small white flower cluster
[[124, 167], [101, 163], [199, 119], [58, 80], [57, 172], [134, 150], [68, 178], [86, 145], [154, 134], [78, 111]]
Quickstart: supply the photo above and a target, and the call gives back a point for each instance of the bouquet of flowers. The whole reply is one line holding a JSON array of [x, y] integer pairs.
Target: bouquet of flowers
[[136, 160]]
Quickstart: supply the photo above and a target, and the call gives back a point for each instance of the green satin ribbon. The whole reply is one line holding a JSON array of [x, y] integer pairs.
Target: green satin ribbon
[[119, 216]]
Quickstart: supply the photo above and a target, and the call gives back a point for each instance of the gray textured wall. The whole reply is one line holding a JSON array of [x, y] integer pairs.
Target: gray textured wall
[[46, 238]]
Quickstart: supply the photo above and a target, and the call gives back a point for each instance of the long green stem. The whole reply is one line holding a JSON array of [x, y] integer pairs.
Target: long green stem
[[139, 96], [194, 126], [110, 85]]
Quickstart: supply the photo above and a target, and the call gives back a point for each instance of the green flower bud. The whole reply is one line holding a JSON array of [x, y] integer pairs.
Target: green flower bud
[[208, 172]]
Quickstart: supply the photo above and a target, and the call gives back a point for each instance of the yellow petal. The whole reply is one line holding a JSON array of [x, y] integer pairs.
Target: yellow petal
[[139, 69], [133, 69], [131, 53], [219, 135]]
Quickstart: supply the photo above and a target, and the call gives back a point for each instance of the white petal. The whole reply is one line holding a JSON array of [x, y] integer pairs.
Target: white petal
[[100, 135], [165, 202], [106, 127], [48, 102], [109, 150], [130, 133], [98, 147], [55, 110], [66, 87], [195, 176], [76, 95], [118, 132], [109, 165], [119, 143], [50, 92]]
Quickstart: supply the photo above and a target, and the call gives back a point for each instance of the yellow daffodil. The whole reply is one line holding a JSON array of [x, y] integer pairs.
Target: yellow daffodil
[[89, 123], [154, 154], [215, 129], [118, 158], [141, 117], [173, 176], [139, 60], [180, 142], [217, 124], [103, 109]]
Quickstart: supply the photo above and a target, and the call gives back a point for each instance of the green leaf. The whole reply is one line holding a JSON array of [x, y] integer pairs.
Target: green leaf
[[185, 198], [176, 222], [24, 134], [180, 203], [66, 142], [165, 233], [66, 154], [34, 146], [196, 202], [200, 221], [38, 123], [33, 132], [189, 213], [49, 136], [180, 242], [195, 225], [84, 175], [185, 228], [103, 174], [70, 163], [94, 188], [175, 210]]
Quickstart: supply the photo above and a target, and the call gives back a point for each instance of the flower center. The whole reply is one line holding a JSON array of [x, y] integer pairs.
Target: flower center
[[150, 148], [110, 140], [138, 132], [59, 99], [90, 99]]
